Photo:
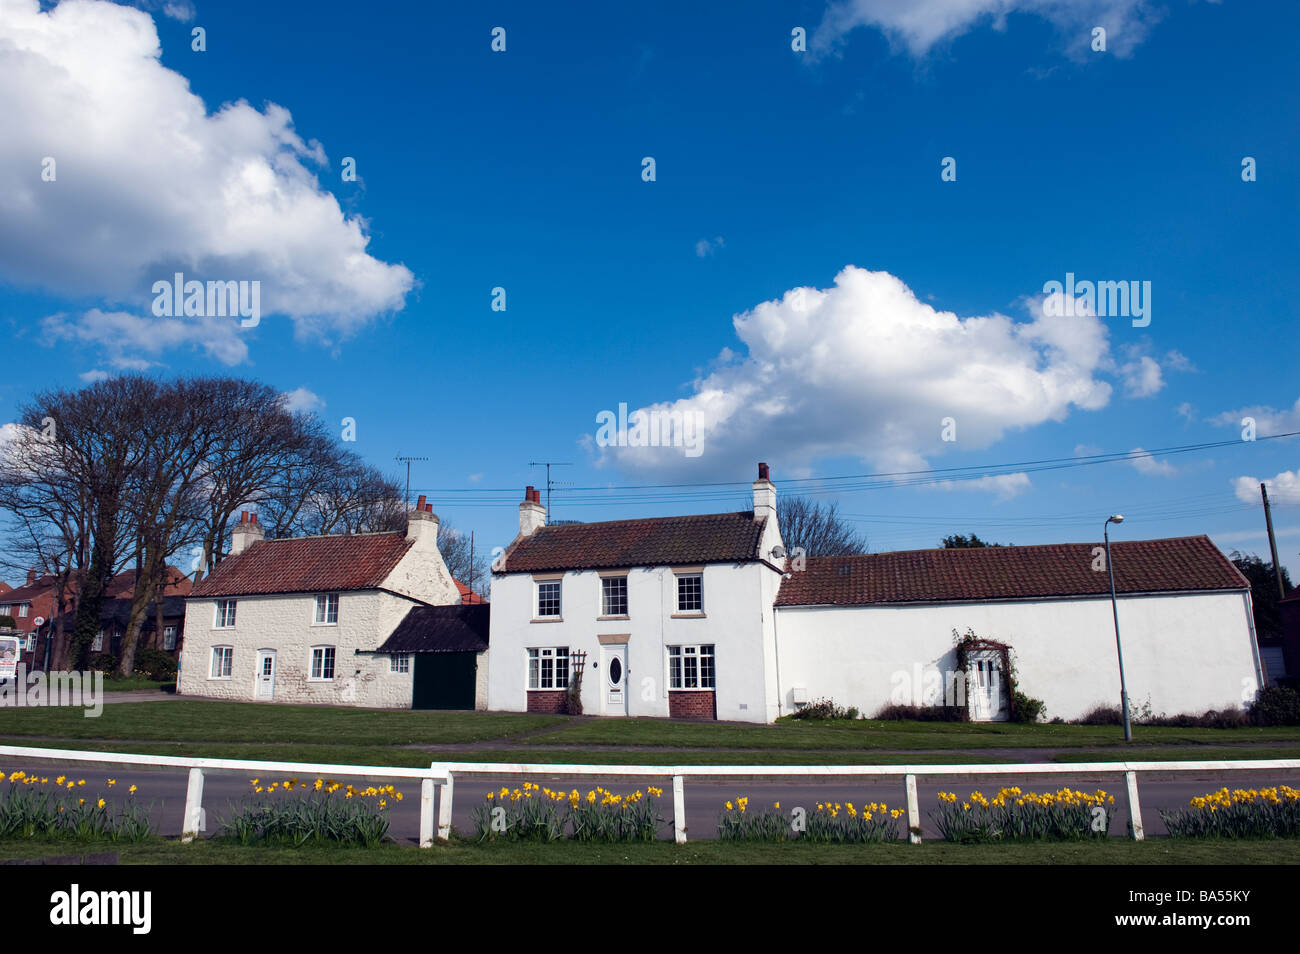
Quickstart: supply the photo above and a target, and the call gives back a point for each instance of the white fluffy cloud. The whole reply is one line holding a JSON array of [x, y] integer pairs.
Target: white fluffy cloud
[[1142, 376], [147, 182], [1146, 464], [1283, 490], [704, 248], [129, 342], [864, 369], [918, 25], [1268, 420], [302, 399]]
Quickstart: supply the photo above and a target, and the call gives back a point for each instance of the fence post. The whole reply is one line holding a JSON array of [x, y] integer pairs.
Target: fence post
[[426, 813], [444, 808], [679, 809], [913, 812], [1134, 807], [193, 806]]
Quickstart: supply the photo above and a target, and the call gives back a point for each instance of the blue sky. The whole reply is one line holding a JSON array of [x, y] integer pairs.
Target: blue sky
[[774, 170]]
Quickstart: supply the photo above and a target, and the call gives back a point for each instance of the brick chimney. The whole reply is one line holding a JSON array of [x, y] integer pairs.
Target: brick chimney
[[532, 515], [764, 495], [422, 525], [247, 532], [31, 577]]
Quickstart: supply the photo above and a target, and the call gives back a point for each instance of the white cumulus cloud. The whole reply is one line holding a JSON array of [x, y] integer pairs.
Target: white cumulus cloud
[[1268, 420], [301, 399], [130, 342], [1005, 486], [864, 369], [146, 181], [1148, 465], [1283, 490]]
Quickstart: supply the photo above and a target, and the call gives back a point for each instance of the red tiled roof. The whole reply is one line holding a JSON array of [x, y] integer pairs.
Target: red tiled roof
[[5, 587], [467, 596], [1010, 573], [345, 561], [657, 541], [120, 586]]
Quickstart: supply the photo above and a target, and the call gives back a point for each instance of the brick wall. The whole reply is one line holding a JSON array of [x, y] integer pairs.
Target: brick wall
[[547, 700], [692, 705]]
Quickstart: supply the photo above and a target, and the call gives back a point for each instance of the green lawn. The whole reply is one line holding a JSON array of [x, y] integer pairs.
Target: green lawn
[[242, 730], [1111, 852]]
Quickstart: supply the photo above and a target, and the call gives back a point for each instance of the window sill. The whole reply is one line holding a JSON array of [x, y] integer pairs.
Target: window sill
[[325, 625], [709, 689], [557, 689], [603, 618], [310, 679], [547, 619], [219, 678], [700, 614]]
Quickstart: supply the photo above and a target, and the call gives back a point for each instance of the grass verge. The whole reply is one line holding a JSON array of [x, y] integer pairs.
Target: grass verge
[[1113, 852]]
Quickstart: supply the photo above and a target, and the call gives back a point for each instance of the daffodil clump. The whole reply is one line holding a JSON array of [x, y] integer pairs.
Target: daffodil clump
[[322, 812], [827, 823], [1242, 813], [534, 812], [43, 806], [1015, 815]]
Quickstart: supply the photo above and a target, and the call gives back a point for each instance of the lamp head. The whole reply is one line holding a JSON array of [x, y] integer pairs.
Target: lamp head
[[1116, 518]]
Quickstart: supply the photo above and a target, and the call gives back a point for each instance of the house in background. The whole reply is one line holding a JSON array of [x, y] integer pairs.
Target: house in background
[[314, 619], [707, 617], [34, 612]]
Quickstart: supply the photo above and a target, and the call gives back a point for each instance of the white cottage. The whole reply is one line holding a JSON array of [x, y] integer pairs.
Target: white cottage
[[707, 617], [670, 616], [367, 619]]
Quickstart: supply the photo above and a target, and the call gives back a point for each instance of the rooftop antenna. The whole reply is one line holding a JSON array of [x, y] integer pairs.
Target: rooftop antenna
[[408, 476], [548, 464]]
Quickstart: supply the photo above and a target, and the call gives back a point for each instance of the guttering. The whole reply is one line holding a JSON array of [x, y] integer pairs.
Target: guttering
[[1007, 599]]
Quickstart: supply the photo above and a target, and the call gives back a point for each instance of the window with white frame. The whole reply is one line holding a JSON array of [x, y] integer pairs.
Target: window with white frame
[[322, 663], [613, 596], [327, 608], [690, 593], [22, 609], [223, 658], [548, 599], [548, 667], [691, 667], [400, 662], [169, 637], [225, 614], [97, 644]]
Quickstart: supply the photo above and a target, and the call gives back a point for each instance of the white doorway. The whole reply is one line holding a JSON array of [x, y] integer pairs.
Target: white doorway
[[265, 675], [613, 685], [987, 687]]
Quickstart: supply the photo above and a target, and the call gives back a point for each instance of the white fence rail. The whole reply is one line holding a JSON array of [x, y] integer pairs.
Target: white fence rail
[[444, 774]]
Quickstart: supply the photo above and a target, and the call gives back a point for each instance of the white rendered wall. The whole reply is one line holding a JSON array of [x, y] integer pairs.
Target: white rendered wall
[[1184, 653], [734, 621]]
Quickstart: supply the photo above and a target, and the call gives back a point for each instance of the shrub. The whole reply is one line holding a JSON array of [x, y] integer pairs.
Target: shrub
[[155, 664], [1026, 708], [1253, 813], [1101, 715], [1276, 706], [1013, 815], [573, 699], [895, 712], [824, 709], [7, 622], [103, 662]]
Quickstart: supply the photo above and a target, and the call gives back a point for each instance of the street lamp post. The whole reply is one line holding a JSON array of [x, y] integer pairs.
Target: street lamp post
[[1114, 607]]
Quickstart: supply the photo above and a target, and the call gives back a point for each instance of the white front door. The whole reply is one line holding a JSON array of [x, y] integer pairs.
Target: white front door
[[266, 674], [987, 687], [613, 686]]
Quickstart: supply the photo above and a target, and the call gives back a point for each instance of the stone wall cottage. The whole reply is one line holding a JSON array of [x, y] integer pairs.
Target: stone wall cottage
[[306, 619], [707, 617]]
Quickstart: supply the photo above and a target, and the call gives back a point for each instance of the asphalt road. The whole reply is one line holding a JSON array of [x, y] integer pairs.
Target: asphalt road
[[164, 791]]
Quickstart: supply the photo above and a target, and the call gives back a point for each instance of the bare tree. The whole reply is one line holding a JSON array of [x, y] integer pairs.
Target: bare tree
[[818, 529], [469, 568]]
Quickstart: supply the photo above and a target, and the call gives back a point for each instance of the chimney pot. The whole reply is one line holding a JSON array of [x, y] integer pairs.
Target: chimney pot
[[762, 472], [420, 504]]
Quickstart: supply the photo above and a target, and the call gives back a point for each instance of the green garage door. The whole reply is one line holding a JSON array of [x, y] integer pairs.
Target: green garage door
[[444, 680]]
